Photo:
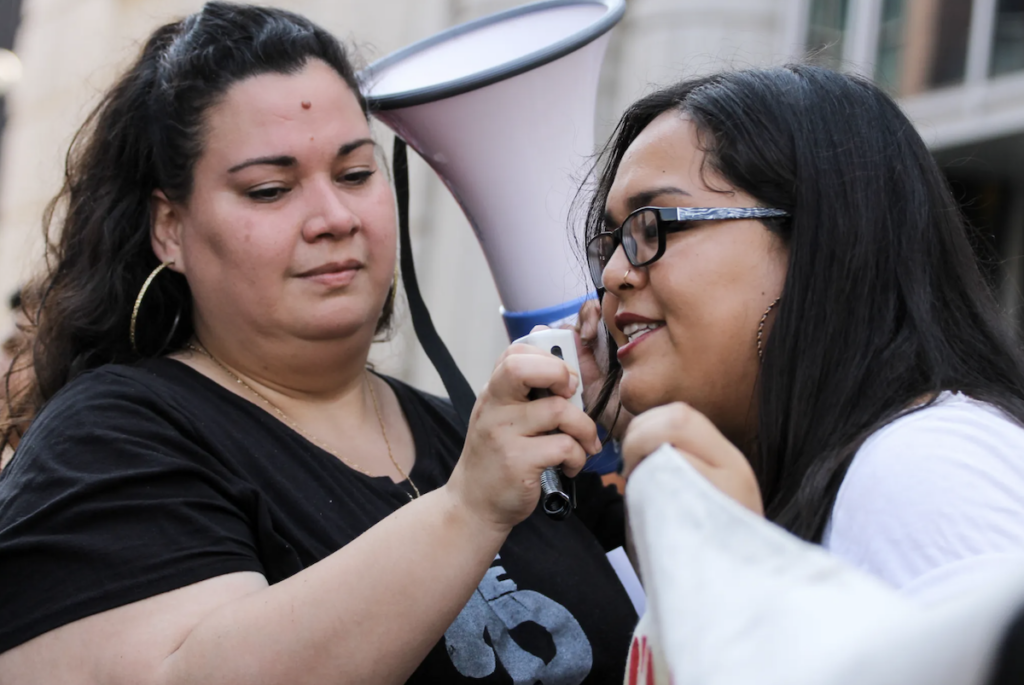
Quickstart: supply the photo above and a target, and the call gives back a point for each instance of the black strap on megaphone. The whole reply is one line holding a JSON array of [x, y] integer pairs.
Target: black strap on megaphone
[[459, 390]]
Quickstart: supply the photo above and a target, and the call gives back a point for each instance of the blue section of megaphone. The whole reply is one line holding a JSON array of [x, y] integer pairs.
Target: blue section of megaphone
[[519, 324]]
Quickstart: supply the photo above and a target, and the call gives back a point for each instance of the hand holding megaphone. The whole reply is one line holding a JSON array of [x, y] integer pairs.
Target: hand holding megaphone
[[555, 500], [512, 439]]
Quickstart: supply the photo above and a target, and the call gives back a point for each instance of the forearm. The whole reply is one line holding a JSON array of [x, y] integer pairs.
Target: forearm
[[368, 613]]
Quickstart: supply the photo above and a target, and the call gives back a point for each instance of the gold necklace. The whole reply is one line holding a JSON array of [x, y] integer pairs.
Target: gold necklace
[[201, 349], [387, 443]]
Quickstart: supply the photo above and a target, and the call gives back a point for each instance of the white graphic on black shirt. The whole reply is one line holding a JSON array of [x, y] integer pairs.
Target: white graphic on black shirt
[[482, 633]]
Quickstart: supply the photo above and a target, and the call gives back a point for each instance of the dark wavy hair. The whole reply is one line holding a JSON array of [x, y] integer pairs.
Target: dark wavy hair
[[146, 134], [883, 303]]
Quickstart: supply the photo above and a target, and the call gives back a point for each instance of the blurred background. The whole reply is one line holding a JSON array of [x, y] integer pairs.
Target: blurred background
[[956, 66]]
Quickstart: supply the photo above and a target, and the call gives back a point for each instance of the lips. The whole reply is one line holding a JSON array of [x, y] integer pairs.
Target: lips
[[332, 268], [637, 329]]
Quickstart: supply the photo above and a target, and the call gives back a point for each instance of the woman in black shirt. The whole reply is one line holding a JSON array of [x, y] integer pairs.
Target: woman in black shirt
[[217, 490]]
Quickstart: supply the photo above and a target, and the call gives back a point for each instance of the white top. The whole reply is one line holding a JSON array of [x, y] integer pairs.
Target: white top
[[934, 502]]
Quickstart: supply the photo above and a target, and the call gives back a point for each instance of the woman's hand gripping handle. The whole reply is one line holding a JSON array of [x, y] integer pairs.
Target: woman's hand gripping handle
[[513, 439], [554, 499]]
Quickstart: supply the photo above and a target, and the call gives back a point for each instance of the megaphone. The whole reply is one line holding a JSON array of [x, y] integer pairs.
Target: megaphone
[[502, 108]]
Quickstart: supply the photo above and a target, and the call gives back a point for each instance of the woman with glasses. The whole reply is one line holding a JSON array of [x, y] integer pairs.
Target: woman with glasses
[[217, 488], [800, 313]]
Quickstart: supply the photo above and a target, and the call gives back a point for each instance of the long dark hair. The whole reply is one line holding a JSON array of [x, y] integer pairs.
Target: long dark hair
[[146, 134], [883, 304]]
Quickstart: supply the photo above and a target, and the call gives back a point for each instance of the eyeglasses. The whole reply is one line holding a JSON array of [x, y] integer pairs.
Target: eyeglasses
[[642, 234]]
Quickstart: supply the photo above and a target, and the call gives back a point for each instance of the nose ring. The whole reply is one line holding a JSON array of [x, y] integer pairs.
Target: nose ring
[[625, 276]]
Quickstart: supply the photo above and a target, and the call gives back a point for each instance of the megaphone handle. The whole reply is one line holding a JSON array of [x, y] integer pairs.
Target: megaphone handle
[[555, 501], [459, 391]]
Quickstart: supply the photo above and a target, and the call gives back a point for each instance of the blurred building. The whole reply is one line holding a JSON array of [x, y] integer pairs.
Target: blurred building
[[10, 16], [956, 65]]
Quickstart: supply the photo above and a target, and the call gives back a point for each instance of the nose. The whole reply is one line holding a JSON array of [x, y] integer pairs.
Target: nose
[[619, 275], [330, 213]]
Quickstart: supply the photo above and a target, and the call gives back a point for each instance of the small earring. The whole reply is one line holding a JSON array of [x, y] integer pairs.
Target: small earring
[[760, 328], [138, 301]]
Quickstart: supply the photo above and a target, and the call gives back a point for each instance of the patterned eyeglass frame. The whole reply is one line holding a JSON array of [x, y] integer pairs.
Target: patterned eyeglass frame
[[675, 215]]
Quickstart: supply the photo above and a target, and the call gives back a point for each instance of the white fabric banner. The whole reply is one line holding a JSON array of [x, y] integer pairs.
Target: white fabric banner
[[732, 599]]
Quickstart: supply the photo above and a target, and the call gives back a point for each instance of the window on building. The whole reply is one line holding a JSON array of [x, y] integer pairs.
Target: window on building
[[1008, 37], [922, 44], [949, 53], [826, 31], [889, 62]]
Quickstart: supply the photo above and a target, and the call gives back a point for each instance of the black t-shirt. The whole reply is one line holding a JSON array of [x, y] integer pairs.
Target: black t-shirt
[[138, 480]]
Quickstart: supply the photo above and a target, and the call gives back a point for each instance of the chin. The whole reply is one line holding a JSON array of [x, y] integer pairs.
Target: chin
[[338, 329], [339, 322], [638, 395]]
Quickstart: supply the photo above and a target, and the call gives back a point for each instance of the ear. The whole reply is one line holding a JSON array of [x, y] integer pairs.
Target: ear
[[165, 231]]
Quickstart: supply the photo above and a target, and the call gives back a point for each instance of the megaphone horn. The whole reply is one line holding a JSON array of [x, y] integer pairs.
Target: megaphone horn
[[502, 108]]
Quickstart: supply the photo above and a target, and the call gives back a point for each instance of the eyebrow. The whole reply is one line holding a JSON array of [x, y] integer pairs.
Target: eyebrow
[[289, 161], [274, 160], [643, 199], [349, 148]]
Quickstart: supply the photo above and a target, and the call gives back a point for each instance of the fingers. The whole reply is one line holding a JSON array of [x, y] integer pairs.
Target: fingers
[[557, 414], [684, 428], [518, 348], [646, 433], [549, 415], [700, 443], [697, 435], [512, 439], [559, 449], [523, 368], [587, 322]]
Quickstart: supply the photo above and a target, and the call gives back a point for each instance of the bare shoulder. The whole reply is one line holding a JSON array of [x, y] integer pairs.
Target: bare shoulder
[[126, 645]]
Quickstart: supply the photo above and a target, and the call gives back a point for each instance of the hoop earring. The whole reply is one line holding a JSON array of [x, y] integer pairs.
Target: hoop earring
[[138, 303], [760, 328]]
